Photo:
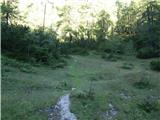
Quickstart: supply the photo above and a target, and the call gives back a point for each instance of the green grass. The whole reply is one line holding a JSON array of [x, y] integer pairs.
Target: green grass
[[27, 89], [24, 94], [110, 79]]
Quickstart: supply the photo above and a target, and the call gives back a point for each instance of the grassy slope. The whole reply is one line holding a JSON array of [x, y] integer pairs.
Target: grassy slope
[[110, 80], [25, 92], [27, 89]]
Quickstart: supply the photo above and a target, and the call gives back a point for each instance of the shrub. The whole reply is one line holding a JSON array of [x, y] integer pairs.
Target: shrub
[[79, 94], [79, 51], [24, 67], [146, 53], [25, 44], [12, 37], [78, 46], [60, 63], [110, 57], [82, 94], [114, 46], [149, 105], [155, 65], [144, 83], [64, 85]]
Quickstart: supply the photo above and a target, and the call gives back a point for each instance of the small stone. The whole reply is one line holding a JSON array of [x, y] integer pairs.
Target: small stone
[[73, 89]]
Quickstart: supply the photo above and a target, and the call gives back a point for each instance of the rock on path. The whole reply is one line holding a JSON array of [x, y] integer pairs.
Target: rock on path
[[110, 113], [61, 111]]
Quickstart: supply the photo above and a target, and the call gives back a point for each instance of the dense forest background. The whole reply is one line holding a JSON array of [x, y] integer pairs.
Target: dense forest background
[[137, 28]]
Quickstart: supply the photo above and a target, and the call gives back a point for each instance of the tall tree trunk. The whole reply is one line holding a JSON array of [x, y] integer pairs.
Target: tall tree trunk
[[44, 16]]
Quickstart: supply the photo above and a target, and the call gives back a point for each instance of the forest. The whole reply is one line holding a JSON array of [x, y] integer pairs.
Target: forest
[[85, 65]]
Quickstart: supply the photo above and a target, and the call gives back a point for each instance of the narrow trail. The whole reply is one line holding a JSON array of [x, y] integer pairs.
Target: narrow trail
[[61, 110]]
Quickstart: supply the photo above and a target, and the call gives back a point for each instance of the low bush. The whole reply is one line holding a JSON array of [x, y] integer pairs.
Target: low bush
[[23, 43], [146, 53], [64, 85], [22, 66], [143, 84], [110, 57], [79, 51], [79, 94], [113, 46], [149, 105], [155, 65], [59, 64], [83, 94]]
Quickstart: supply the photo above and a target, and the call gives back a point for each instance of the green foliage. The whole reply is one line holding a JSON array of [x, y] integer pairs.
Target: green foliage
[[25, 91], [140, 23], [83, 94], [64, 85], [144, 83], [58, 63], [117, 45], [127, 17], [88, 94], [80, 47], [102, 25], [24, 67], [155, 65], [146, 53], [79, 51], [110, 57], [12, 37], [10, 12], [149, 105], [79, 94], [22, 43], [114, 46], [88, 36], [63, 24], [147, 39]]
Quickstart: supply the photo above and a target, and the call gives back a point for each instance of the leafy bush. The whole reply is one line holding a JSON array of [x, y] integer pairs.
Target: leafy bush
[[147, 40], [79, 51], [24, 67], [22, 43], [155, 65], [110, 57], [64, 85], [144, 83], [79, 94], [12, 37], [85, 94], [146, 53], [80, 47], [60, 63], [149, 105], [82, 94], [112, 46]]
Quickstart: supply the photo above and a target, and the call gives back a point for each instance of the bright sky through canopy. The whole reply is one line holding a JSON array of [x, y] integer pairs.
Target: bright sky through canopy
[[36, 9]]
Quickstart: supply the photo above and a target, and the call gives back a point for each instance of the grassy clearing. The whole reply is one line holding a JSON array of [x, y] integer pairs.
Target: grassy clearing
[[25, 93], [128, 84], [125, 83]]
